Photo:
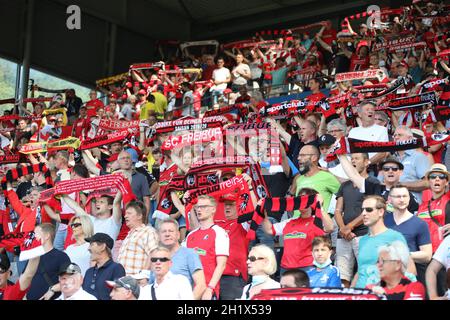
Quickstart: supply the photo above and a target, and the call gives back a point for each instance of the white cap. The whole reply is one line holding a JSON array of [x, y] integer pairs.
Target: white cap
[[143, 274]]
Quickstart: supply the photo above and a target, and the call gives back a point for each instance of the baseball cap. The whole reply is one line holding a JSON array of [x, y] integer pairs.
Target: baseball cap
[[143, 274], [142, 92], [391, 159], [326, 140], [127, 282], [101, 238], [134, 155], [4, 262], [69, 268]]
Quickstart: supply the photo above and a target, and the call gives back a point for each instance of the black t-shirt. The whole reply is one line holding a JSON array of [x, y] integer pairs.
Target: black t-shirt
[[375, 187], [295, 146], [352, 205]]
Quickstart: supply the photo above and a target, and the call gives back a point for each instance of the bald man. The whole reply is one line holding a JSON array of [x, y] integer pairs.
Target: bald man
[[311, 176]]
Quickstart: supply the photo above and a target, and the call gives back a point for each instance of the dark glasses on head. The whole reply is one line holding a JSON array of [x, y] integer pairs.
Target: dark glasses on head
[[441, 176], [386, 169], [253, 258], [75, 225], [155, 259]]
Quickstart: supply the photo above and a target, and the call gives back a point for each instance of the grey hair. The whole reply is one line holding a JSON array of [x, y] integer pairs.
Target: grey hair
[[383, 115], [266, 252], [407, 130], [257, 96], [397, 250], [340, 123]]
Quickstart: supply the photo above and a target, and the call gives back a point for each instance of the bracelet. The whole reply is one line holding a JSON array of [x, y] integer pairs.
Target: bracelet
[[251, 189]]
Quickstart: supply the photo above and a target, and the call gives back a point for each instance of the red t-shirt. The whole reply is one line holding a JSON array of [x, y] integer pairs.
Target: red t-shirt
[[237, 261], [209, 243], [92, 107], [298, 234], [12, 292]]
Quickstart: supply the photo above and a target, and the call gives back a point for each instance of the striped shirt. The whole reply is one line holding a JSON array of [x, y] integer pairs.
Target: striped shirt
[[136, 247]]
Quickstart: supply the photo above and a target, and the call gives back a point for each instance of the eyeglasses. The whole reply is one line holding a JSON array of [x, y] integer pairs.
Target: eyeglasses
[[441, 176], [382, 261], [379, 119], [334, 131], [3, 271], [253, 258], [202, 207], [75, 225], [386, 169], [160, 259], [368, 209]]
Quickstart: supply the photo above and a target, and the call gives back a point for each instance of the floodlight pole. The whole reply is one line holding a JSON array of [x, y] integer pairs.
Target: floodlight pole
[[25, 69]]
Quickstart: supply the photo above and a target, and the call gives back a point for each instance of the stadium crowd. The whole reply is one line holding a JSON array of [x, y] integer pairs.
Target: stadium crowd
[[311, 157]]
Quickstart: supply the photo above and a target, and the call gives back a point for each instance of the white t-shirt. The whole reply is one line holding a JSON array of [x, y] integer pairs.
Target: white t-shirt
[[80, 255], [79, 295], [268, 284], [373, 133], [108, 226], [173, 287], [238, 79], [145, 293], [221, 75], [442, 254]]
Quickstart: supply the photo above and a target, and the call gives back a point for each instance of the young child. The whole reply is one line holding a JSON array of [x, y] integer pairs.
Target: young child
[[323, 273]]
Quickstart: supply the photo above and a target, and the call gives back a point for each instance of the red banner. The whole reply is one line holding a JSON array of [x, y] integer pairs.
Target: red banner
[[317, 294]]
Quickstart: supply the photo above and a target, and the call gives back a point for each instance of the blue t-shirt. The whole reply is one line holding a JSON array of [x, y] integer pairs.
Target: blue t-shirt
[[49, 264], [185, 261], [415, 230], [368, 255], [326, 277]]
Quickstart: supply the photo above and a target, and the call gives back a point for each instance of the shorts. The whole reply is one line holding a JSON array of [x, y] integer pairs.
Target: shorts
[[346, 255]]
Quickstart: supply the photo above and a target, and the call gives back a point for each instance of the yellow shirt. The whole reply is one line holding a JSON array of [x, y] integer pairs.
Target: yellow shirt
[[145, 108], [160, 103]]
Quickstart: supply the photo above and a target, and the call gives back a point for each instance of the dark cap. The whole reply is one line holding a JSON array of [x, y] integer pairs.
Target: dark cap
[[127, 282], [69, 268], [4, 262], [326, 140], [101, 238], [391, 159]]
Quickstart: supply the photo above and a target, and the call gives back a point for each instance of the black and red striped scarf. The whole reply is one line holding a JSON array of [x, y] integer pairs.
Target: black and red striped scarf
[[14, 174], [279, 205], [102, 140]]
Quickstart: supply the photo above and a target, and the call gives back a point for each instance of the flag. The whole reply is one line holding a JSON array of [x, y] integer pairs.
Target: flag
[[31, 247]]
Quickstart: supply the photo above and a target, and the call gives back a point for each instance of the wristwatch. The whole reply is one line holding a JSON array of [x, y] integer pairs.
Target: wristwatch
[[51, 289]]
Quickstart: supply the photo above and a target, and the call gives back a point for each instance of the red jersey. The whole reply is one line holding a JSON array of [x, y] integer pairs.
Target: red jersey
[[209, 244], [405, 290], [28, 216], [237, 261], [79, 125], [92, 107], [298, 235], [437, 209], [358, 64], [12, 292]]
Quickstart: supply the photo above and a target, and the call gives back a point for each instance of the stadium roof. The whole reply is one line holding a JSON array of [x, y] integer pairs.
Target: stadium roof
[[116, 33]]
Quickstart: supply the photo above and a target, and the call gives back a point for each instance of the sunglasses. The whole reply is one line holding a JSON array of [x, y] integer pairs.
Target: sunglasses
[[155, 259], [75, 225], [253, 258], [368, 209], [441, 176], [386, 169]]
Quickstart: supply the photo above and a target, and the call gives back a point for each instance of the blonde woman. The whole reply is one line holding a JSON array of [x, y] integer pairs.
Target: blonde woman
[[78, 252], [261, 265]]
